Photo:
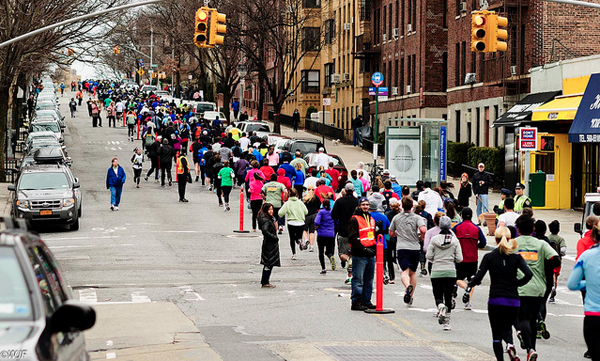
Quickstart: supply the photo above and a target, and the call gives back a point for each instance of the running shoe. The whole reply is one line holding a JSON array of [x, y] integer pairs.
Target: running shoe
[[468, 306], [323, 272], [552, 300], [453, 303], [455, 291], [521, 340], [408, 294], [146, 179], [293, 256], [587, 354], [348, 280], [553, 293], [532, 355], [543, 329], [307, 244], [447, 326], [392, 282], [311, 249], [442, 311], [467, 296], [333, 265], [112, 208], [280, 229], [116, 208], [512, 352], [268, 286]]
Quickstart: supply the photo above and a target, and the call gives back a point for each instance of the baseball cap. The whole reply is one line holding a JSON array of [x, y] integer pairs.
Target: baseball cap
[[393, 177], [505, 191], [519, 185], [393, 201], [349, 187], [445, 222], [363, 199], [321, 149], [481, 165], [386, 171]]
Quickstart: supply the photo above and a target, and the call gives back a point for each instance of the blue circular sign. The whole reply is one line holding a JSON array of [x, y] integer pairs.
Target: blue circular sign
[[377, 79]]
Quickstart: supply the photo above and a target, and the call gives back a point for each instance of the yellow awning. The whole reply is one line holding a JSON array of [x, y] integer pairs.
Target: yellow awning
[[561, 108]]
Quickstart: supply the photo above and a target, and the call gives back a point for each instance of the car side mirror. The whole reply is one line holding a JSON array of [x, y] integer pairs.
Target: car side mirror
[[72, 317], [11, 187], [576, 227], [76, 185]]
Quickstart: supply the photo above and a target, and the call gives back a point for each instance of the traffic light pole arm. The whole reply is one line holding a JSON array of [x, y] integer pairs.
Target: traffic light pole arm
[[576, 2], [137, 51], [74, 20]]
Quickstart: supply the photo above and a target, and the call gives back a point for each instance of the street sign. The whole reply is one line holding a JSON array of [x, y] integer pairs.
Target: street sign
[[528, 139], [443, 152], [141, 72], [383, 91], [155, 65], [141, 63], [377, 79], [326, 101]]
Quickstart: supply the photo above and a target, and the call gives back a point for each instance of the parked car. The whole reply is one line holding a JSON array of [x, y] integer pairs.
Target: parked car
[[39, 320], [46, 155], [202, 107], [54, 113], [46, 105], [253, 126], [32, 137], [590, 199], [212, 115], [47, 125], [305, 145], [47, 193], [149, 88], [338, 164], [271, 138]]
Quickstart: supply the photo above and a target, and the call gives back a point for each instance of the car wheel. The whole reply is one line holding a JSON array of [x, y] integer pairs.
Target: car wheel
[[75, 226], [79, 213]]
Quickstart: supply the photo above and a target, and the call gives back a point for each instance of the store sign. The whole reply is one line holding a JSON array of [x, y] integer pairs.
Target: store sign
[[528, 139]]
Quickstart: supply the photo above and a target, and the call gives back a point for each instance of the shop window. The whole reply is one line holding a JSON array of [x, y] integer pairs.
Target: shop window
[[545, 162]]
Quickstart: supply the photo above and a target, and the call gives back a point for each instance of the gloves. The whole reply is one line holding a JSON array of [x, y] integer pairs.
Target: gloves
[[370, 252]]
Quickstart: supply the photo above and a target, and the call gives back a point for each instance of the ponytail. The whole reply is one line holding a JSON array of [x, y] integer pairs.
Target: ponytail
[[505, 244]]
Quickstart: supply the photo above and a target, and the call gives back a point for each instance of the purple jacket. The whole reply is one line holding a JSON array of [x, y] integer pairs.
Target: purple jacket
[[325, 223]]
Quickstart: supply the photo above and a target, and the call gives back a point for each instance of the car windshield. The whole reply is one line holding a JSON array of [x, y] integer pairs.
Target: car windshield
[[204, 108], [257, 128], [15, 303], [39, 181], [305, 147], [52, 127]]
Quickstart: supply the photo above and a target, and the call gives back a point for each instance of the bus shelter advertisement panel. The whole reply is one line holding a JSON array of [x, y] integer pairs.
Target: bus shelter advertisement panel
[[405, 160]]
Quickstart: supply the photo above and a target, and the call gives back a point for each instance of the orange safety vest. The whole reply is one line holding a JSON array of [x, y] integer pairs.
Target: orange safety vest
[[366, 231], [180, 166]]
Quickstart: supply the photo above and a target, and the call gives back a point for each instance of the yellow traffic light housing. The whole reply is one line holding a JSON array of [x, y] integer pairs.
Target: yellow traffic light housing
[[499, 34], [479, 32], [217, 27], [70, 52], [116, 50], [201, 29]]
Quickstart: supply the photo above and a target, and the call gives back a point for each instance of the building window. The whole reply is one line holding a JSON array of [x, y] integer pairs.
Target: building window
[[414, 15], [329, 27], [408, 72], [457, 65], [409, 16], [477, 126], [444, 71], [463, 62], [390, 15], [396, 74], [365, 10], [414, 73], [311, 4], [401, 77], [310, 81], [310, 39], [329, 70], [389, 74], [365, 66], [384, 19], [473, 63], [402, 25]]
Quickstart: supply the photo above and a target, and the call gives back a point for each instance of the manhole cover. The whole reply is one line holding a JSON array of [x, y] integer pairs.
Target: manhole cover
[[383, 353], [243, 236]]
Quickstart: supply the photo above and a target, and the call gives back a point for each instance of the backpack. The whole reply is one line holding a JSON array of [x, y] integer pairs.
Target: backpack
[[149, 140], [130, 119]]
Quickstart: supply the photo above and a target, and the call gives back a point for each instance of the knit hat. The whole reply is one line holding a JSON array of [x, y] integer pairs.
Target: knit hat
[[373, 205], [445, 223], [349, 187]]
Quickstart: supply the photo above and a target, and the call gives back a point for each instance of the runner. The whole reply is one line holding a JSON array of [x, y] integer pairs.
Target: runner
[[443, 252], [503, 303], [256, 200], [325, 226], [313, 204], [295, 211], [226, 176], [137, 160], [409, 228]]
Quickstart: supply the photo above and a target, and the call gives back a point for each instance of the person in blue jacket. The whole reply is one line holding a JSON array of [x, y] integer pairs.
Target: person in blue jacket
[[326, 235], [115, 177], [586, 276]]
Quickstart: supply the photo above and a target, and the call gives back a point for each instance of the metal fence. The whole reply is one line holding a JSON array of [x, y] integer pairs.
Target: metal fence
[[11, 170], [320, 128]]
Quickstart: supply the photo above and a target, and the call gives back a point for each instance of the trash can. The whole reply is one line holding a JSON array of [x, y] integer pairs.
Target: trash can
[[537, 189]]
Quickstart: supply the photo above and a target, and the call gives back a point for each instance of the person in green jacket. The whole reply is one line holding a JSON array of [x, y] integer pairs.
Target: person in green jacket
[[226, 175], [295, 211]]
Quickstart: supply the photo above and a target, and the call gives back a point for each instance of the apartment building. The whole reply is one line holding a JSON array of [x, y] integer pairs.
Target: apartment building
[[341, 68], [409, 39]]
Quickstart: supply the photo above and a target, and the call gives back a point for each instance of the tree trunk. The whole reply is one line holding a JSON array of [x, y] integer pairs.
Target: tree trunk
[[276, 114], [261, 97]]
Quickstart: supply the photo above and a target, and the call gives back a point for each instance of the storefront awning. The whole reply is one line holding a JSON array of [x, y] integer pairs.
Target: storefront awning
[[586, 125], [563, 107], [521, 111]]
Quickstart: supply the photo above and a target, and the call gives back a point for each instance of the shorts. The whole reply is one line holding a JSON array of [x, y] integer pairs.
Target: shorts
[[407, 258], [557, 271], [309, 223], [343, 245], [466, 270]]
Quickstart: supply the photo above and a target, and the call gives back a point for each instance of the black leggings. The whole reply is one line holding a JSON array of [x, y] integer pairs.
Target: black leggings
[[266, 275], [255, 205], [300, 189], [295, 235], [154, 166], [442, 290], [130, 130], [326, 244], [217, 184], [502, 318], [390, 259], [527, 320], [226, 190], [591, 334], [137, 174]]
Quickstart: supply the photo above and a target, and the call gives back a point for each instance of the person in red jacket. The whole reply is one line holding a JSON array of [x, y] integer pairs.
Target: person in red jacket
[[587, 241], [323, 190], [471, 239], [281, 178]]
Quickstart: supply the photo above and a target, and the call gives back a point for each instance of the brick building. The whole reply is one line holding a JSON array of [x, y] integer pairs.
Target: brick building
[[409, 37]]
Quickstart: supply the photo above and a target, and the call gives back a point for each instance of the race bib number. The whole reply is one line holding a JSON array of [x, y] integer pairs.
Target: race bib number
[[529, 255], [271, 189]]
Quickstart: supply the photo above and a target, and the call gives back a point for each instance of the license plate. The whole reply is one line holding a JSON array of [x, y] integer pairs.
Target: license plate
[[45, 212]]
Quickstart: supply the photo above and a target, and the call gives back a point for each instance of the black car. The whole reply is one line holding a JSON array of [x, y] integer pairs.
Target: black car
[[304, 145], [39, 321]]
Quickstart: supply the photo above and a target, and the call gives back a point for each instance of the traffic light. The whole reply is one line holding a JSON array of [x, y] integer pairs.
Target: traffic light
[[217, 26], [70, 52], [498, 35], [116, 50], [480, 37], [201, 29]]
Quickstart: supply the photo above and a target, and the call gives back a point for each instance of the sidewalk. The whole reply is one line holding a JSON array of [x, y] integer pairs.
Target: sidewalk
[[145, 332]]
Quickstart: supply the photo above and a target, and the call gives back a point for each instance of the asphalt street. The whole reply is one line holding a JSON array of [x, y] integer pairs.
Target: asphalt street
[[157, 250]]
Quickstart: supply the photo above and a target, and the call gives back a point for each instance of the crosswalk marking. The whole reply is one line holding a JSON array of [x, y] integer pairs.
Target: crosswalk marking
[[189, 294], [139, 297], [88, 295]]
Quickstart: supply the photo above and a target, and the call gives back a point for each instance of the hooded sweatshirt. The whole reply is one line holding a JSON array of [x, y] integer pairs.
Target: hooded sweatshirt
[[443, 252], [379, 198], [325, 223], [281, 178], [294, 210]]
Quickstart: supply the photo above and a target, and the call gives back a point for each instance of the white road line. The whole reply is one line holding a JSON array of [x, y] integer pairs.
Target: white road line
[[140, 297], [190, 295], [111, 355], [75, 238], [109, 343], [88, 295], [570, 258], [93, 246], [246, 295]]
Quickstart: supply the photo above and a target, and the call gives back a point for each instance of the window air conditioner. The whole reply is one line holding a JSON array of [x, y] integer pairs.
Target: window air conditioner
[[346, 77], [395, 33], [335, 78], [384, 38], [395, 90], [408, 89], [347, 26], [463, 7], [409, 28], [470, 78]]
